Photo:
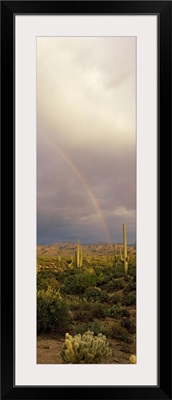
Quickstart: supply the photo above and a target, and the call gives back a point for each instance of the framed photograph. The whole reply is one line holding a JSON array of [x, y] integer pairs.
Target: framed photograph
[[86, 121]]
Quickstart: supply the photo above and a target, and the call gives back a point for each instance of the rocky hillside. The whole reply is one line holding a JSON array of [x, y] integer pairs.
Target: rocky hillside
[[68, 249]]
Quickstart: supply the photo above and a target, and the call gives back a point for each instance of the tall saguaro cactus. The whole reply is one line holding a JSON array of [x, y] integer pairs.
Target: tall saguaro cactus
[[124, 257], [115, 258], [79, 255]]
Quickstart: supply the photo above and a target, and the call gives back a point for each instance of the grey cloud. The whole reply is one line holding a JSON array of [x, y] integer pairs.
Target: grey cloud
[[86, 172]]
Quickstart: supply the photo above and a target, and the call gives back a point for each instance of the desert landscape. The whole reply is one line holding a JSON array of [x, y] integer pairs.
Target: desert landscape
[[89, 291]]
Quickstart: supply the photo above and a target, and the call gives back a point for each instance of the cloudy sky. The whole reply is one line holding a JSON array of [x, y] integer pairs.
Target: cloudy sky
[[86, 139]]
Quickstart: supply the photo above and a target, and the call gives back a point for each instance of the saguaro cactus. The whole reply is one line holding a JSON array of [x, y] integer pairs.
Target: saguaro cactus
[[79, 255], [115, 257], [124, 258], [120, 254]]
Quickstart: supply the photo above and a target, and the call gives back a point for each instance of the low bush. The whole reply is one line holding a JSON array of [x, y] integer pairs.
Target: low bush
[[128, 324], [44, 284], [87, 311], [98, 311], [125, 313], [74, 304], [115, 284], [114, 311], [125, 348], [132, 270], [93, 326], [119, 271], [115, 299], [96, 294], [83, 315], [52, 312], [130, 287], [117, 332], [78, 283], [129, 300]]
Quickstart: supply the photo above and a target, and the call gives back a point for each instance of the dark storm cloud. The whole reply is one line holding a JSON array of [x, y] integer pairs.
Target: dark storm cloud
[[64, 202], [86, 172]]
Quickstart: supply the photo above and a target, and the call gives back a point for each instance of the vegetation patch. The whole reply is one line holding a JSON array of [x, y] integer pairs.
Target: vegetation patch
[[97, 296], [52, 312], [117, 332]]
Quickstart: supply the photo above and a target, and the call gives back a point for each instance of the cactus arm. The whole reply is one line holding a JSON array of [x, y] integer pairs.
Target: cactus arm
[[115, 258], [125, 258]]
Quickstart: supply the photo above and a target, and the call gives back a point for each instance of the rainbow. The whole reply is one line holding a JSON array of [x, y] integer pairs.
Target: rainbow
[[89, 191], [86, 186]]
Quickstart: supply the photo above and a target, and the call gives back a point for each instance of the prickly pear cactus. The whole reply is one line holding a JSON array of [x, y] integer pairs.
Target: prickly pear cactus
[[85, 349]]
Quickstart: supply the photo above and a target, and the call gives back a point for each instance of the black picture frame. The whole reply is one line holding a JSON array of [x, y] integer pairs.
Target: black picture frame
[[164, 11]]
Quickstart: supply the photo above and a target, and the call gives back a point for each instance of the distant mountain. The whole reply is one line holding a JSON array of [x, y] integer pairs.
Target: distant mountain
[[68, 249], [132, 245]]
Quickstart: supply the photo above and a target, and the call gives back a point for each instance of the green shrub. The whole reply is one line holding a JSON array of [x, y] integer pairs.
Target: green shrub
[[81, 328], [125, 348], [95, 294], [47, 278], [104, 277], [119, 271], [45, 283], [52, 312], [88, 311], [83, 315], [125, 313], [114, 311], [117, 332], [97, 328], [78, 283], [129, 300], [93, 326], [103, 296], [98, 310], [130, 287], [74, 304], [115, 284], [128, 324], [115, 299], [85, 349], [132, 270]]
